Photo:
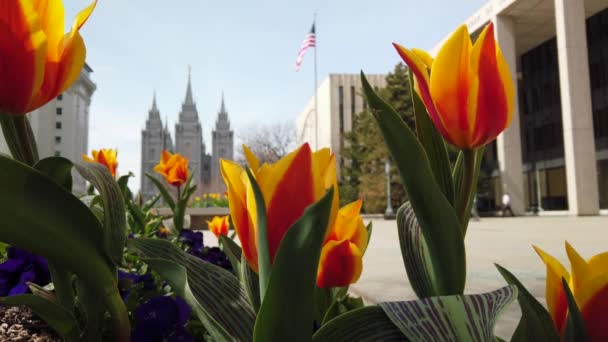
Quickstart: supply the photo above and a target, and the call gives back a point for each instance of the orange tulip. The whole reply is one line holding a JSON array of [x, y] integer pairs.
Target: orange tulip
[[173, 167], [289, 186], [341, 260], [467, 90], [106, 157], [39, 61], [219, 225], [589, 285]]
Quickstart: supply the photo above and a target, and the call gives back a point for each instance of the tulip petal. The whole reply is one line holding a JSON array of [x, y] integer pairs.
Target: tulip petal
[[291, 182], [83, 16], [581, 273], [21, 70], [349, 225], [340, 264], [424, 57], [325, 177], [237, 201], [556, 298], [491, 100], [252, 160], [593, 301], [52, 15], [421, 75], [450, 84]]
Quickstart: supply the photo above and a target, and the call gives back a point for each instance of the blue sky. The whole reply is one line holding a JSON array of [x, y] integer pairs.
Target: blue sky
[[245, 48]]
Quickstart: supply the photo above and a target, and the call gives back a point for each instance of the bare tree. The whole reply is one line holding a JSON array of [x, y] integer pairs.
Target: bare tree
[[269, 142]]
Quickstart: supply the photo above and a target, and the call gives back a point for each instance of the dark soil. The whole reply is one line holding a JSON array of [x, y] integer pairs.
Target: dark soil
[[18, 323]]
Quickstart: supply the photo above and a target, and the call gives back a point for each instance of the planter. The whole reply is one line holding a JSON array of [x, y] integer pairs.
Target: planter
[[198, 216]]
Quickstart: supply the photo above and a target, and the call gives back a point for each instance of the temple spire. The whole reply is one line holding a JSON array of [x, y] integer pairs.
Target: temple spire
[[154, 107], [154, 113], [223, 106], [189, 99]]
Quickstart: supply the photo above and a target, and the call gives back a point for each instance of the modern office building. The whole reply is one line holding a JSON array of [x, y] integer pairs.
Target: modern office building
[[339, 98], [554, 156], [61, 127]]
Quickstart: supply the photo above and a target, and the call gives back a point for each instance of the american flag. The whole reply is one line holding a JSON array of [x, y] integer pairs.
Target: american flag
[[309, 41]]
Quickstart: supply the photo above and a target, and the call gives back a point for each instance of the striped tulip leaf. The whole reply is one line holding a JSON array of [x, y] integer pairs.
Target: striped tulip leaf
[[366, 324], [233, 252], [415, 253], [451, 318], [251, 284], [217, 291], [115, 219]]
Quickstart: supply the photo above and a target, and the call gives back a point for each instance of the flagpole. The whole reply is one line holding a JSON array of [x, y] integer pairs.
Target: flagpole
[[316, 100]]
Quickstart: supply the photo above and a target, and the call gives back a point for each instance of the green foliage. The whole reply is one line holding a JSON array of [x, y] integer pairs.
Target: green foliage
[[365, 152]]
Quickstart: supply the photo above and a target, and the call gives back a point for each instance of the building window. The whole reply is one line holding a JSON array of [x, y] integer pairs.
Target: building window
[[353, 99], [57, 140], [59, 110], [341, 107], [58, 125], [59, 97], [57, 154]]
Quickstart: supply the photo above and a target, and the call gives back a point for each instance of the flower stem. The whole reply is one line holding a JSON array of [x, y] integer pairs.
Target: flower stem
[[121, 327], [462, 205], [19, 138]]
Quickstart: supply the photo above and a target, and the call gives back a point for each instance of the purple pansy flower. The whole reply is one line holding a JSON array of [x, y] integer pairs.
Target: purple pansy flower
[[22, 267], [194, 240], [162, 318], [125, 289], [213, 255]]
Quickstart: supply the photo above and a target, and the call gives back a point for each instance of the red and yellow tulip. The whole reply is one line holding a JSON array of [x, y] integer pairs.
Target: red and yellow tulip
[[106, 157], [39, 61], [289, 186], [467, 89], [174, 167], [341, 260], [589, 285], [219, 225]]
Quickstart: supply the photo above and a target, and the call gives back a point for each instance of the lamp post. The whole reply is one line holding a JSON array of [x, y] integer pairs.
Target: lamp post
[[388, 214]]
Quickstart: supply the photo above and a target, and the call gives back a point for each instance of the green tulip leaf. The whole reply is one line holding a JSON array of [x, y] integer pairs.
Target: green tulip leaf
[[56, 316], [415, 253], [575, 330], [123, 184], [233, 252], [433, 144], [451, 318], [150, 203], [251, 284], [287, 311], [218, 291], [367, 324], [264, 262], [435, 214], [162, 189], [59, 169], [115, 221], [536, 323]]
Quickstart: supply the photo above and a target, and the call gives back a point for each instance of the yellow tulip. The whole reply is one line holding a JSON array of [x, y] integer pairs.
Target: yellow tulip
[[589, 286], [106, 157], [467, 90], [219, 225], [39, 61], [173, 167]]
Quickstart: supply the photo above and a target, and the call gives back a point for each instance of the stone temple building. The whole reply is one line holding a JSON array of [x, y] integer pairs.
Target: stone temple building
[[189, 143]]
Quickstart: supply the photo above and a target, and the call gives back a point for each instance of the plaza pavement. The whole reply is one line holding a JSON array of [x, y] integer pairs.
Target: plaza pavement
[[506, 241]]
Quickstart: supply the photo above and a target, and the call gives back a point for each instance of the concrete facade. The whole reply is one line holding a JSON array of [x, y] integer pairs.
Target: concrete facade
[[61, 127], [521, 27], [339, 98]]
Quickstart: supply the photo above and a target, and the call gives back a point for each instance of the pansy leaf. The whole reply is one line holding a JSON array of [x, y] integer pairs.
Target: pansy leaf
[[367, 324], [115, 222], [162, 189], [536, 323], [451, 318], [575, 330], [435, 214], [217, 290], [433, 144], [415, 253], [55, 315], [287, 311]]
